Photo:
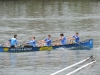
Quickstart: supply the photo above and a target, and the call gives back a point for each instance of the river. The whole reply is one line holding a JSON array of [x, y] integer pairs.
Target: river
[[38, 18]]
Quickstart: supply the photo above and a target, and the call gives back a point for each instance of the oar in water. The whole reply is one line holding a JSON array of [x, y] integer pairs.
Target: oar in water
[[72, 41], [87, 46], [83, 46]]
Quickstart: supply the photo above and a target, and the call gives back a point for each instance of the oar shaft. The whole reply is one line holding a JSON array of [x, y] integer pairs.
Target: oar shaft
[[82, 67], [71, 66]]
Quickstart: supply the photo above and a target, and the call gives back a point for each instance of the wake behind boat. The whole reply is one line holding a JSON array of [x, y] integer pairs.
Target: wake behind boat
[[87, 44]]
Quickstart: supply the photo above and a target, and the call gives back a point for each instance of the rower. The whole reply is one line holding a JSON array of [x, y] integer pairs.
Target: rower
[[32, 42], [74, 39], [62, 39], [13, 41], [47, 41]]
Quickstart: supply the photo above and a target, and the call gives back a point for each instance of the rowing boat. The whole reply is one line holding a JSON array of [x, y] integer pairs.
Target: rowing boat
[[87, 44]]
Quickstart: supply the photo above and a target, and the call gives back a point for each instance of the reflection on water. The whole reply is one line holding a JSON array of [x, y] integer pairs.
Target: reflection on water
[[39, 62], [13, 60], [48, 9], [42, 17]]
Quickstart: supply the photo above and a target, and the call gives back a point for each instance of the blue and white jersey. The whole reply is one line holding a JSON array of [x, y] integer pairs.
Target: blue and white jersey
[[63, 41], [13, 41], [76, 38], [48, 42], [32, 43]]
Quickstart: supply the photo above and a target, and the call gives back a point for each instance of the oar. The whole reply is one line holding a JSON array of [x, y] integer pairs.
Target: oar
[[72, 65], [77, 43], [83, 45], [5, 44], [41, 43], [56, 40], [1, 44], [82, 67], [21, 45]]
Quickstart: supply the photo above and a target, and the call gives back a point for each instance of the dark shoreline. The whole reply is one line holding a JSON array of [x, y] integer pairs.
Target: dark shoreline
[[53, 0]]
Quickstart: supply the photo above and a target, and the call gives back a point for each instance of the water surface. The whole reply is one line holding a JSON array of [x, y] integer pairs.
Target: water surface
[[40, 18]]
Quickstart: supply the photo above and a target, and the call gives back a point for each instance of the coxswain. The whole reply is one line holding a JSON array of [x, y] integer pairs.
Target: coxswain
[[13, 41]]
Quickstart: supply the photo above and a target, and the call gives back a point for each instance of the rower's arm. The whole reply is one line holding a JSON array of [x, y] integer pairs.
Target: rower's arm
[[70, 38], [57, 39], [16, 42], [41, 41]]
